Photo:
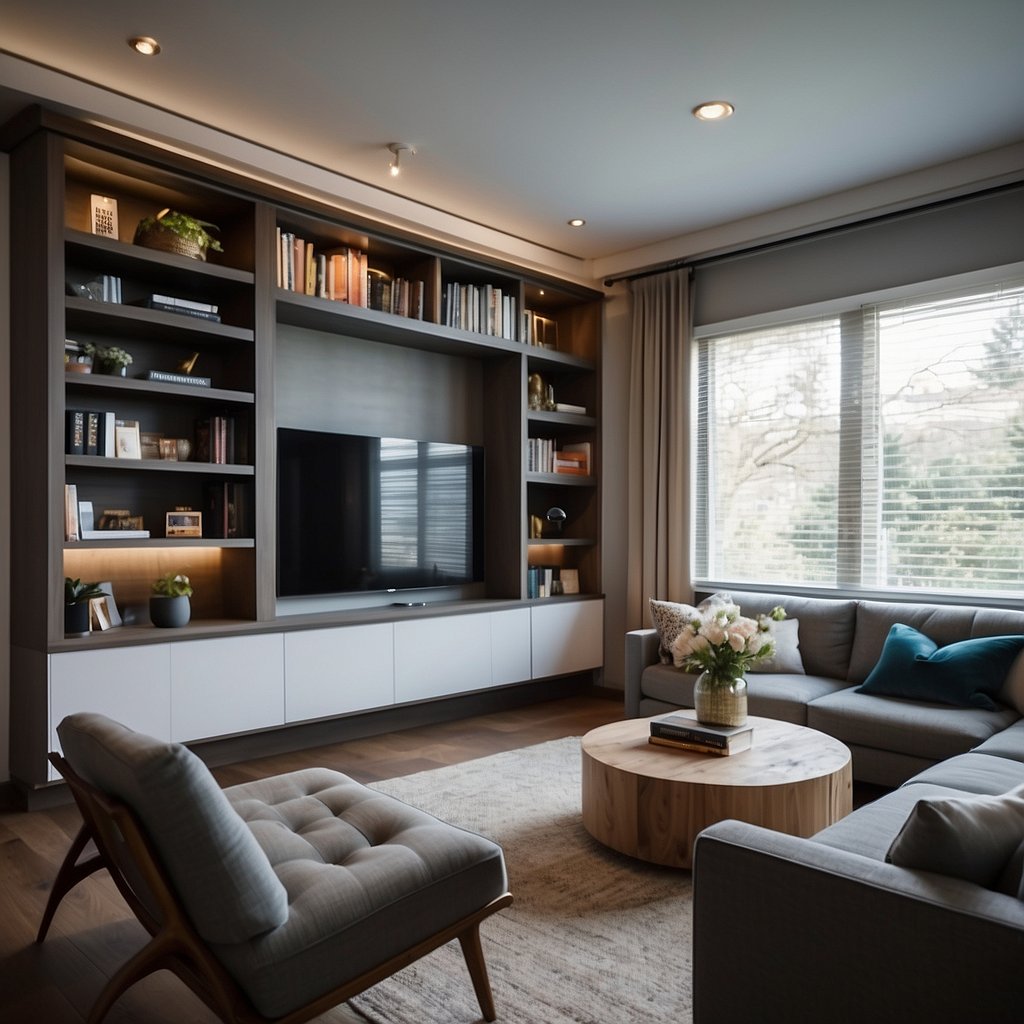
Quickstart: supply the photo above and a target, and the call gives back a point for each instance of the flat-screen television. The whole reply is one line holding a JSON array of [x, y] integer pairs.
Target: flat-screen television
[[359, 513]]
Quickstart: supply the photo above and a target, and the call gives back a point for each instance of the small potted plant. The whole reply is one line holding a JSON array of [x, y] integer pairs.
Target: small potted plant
[[169, 604], [112, 360], [171, 231], [77, 596]]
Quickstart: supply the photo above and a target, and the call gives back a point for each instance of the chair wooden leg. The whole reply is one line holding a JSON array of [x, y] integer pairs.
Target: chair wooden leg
[[474, 955], [151, 958], [69, 875]]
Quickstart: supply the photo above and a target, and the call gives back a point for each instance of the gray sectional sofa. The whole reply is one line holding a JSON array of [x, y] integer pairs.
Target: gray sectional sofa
[[848, 926], [840, 642]]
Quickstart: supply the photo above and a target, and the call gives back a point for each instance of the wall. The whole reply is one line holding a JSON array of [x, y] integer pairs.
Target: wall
[[5, 467], [614, 447]]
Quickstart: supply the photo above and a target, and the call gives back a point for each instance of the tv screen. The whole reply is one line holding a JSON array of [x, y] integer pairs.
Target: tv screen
[[361, 513]]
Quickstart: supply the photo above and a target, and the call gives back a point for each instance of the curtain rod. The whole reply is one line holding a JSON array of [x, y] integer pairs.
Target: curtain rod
[[750, 250]]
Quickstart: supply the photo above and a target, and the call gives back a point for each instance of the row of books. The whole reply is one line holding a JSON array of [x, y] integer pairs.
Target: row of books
[[338, 273], [227, 510], [483, 308], [545, 581], [543, 457], [89, 433], [218, 441], [682, 731]]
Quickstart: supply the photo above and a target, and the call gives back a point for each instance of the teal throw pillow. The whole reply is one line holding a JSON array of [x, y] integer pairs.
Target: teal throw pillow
[[967, 674]]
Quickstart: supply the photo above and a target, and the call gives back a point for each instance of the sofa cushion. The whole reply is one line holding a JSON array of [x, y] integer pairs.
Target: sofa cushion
[[825, 631], [786, 658], [974, 773], [1013, 686], [669, 618], [223, 878], [367, 877], [930, 731], [1008, 743], [870, 830], [966, 673], [945, 624], [783, 697], [971, 837]]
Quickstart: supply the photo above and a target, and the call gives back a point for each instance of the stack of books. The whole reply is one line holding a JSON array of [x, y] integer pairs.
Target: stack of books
[[684, 732]]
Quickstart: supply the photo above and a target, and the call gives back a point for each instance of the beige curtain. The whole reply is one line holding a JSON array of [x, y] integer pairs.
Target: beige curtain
[[659, 391]]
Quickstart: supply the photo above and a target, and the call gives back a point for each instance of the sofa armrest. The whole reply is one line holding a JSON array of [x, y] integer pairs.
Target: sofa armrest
[[641, 651], [785, 929]]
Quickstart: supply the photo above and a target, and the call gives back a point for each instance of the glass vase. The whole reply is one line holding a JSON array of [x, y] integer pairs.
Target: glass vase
[[720, 699]]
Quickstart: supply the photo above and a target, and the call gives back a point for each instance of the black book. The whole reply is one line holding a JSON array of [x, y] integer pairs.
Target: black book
[[74, 432]]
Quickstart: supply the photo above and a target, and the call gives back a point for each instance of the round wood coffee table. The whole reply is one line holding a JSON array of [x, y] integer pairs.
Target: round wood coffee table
[[651, 801]]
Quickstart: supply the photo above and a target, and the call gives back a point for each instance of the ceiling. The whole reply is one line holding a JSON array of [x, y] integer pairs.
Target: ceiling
[[526, 114]]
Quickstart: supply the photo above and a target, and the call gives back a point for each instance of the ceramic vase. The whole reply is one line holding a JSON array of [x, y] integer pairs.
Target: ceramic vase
[[170, 612]]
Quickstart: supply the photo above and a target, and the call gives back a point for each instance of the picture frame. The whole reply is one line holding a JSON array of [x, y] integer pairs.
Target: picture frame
[[127, 440], [99, 619], [168, 449], [150, 444], [103, 215], [570, 581], [184, 524]]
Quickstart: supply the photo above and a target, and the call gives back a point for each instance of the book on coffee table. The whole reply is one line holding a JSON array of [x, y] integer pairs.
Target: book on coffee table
[[678, 728]]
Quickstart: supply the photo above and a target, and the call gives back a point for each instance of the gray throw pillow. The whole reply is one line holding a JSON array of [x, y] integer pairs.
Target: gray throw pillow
[[224, 880], [1012, 692], [969, 837]]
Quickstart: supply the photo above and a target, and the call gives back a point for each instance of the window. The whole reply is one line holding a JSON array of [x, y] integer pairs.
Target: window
[[879, 447]]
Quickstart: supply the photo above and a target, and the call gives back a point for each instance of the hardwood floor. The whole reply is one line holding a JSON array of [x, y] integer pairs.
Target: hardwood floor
[[93, 932]]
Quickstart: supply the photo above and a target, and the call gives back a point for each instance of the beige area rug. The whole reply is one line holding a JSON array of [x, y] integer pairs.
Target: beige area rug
[[592, 937]]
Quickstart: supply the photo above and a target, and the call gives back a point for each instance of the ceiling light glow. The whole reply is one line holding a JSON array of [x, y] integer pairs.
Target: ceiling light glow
[[146, 45], [713, 110], [577, 222], [396, 149]]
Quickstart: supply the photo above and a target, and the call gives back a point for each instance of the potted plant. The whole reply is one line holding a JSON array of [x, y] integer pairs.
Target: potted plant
[[172, 231], [112, 360], [169, 604], [77, 596]]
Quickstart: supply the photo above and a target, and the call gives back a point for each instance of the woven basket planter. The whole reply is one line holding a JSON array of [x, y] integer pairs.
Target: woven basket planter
[[157, 237]]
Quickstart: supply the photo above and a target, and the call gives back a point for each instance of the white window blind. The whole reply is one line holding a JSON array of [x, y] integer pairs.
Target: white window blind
[[879, 448]]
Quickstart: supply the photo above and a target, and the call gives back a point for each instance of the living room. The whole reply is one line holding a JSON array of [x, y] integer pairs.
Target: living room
[[529, 239]]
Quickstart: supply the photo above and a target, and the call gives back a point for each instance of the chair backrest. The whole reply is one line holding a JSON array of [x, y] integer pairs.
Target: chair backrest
[[221, 876]]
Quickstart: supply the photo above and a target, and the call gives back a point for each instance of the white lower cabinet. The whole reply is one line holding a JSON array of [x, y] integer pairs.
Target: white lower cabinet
[[226, 685], [510, 646], [567, 637], [338, 671], [436, 657], [132, 685]]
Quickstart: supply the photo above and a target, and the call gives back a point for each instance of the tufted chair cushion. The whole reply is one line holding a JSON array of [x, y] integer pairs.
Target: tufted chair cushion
[[366, 877]]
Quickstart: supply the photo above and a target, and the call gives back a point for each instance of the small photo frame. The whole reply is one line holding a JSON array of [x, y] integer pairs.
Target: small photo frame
[[168, 449], [150, 444], [184, 524], [570, 581], [127, 442], [99, 618], [103, 216]]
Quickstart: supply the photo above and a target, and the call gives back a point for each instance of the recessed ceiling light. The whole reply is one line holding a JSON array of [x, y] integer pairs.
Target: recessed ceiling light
[[713, 110], [577, 222], [146, 45]]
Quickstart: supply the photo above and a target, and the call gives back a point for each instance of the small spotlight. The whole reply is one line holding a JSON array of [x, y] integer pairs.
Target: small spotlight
[[576, 222], [714, 110], [396, 149], [146, 45]]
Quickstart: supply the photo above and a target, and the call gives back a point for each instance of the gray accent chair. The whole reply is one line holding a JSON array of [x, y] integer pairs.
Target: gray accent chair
[[277, 899]]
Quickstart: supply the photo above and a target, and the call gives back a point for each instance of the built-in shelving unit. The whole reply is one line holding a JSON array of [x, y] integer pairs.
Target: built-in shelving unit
[[277, 357]]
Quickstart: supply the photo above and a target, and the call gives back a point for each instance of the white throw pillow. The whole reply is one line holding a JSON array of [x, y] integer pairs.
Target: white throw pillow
[[787, 649]]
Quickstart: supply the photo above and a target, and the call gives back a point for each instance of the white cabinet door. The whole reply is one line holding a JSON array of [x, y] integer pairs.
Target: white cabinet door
[[337, 671], [567, 637], [510, 646], [436, 657], [226, 685], [131, 685]]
